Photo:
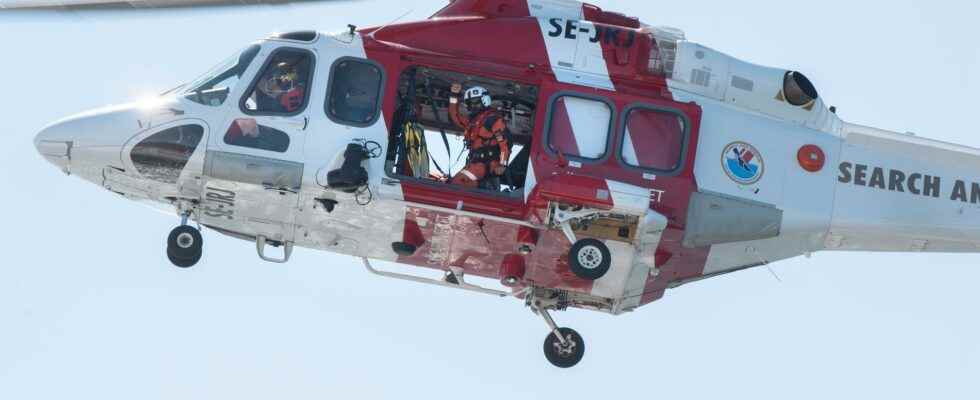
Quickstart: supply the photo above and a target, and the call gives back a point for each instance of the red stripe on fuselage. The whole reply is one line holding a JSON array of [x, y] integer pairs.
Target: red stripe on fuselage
[[514, 49]]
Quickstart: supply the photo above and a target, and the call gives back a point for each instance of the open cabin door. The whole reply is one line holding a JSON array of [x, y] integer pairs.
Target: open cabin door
[[433, 154]]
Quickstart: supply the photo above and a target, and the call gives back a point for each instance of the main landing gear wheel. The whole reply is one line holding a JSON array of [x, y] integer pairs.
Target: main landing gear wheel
[[564, 355], [185, 246], [589, 259], [564, 347]]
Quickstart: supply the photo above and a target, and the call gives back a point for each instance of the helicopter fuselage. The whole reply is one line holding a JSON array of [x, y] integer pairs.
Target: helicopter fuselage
[[684, 162]]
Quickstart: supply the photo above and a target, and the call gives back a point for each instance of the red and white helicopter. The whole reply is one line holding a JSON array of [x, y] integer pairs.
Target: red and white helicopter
[[605, 160]]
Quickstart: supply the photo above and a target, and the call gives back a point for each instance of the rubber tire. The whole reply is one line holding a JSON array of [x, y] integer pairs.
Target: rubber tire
[[564, 360], [589, 274], [185, 257], [183, 262]]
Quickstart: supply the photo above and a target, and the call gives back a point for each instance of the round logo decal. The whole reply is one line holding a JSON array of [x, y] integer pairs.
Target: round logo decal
[[742, 163]]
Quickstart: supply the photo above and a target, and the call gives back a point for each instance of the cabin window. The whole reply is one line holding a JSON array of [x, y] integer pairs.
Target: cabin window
[[282, 88], [654, 139], [162, 156], [247, 132], [479, 141], [355, 92], [579, 127], [663, 50]]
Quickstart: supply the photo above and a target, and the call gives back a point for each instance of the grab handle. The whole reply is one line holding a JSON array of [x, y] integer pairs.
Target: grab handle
[[260, 245]]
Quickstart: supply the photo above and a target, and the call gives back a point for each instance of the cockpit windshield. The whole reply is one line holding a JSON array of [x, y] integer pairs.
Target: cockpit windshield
[[213, 87]]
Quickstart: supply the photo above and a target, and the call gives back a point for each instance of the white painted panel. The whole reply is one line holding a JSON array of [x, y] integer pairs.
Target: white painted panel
[[613, 284], [648, 238], [629, 199], [806, 198], [573, 57], [629, 152], [532, 180], [561, 51], [721, 126], [590, 64], [884, 204], [555, 9]]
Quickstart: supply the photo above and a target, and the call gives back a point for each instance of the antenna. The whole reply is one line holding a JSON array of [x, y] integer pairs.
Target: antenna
[[774, 275], [762, 262], [392, 22]]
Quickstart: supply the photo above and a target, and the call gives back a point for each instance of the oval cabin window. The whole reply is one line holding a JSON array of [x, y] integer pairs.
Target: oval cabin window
[[162, 156]]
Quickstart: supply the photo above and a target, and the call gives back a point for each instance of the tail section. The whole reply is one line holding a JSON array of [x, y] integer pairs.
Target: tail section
[[899, 192]]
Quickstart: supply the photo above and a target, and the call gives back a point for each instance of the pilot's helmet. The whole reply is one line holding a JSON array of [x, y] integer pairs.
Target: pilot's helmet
[[477, 98], [282, 76]]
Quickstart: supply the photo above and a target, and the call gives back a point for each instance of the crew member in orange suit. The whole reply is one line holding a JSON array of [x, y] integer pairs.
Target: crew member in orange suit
[[484, 134]]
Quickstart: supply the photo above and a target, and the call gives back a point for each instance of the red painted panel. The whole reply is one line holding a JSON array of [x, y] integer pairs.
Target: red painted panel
[[575, 189], [484, 8], [596, 14]]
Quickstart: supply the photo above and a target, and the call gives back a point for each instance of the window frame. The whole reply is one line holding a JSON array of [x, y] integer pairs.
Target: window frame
[[514, 197], [685, 140], [378, 103], [613, 113], [177, 125], [265, 65], [186, 91], [259, 126]]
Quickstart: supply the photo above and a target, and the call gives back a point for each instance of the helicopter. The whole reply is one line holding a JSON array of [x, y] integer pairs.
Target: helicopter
[[637, 160]]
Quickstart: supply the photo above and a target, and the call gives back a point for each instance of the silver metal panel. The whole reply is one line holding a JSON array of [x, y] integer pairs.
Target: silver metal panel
[[267, 172], [716, 219]]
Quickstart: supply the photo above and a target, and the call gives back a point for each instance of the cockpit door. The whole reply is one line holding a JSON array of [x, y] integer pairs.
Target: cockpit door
[[256, 158]]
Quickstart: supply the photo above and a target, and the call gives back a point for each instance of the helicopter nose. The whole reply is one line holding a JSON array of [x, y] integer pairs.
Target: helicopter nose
[[55, 145], [85, 144]]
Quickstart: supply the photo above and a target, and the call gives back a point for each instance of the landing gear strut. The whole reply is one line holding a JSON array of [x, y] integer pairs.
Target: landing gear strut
[[563, 347], [185, 245]]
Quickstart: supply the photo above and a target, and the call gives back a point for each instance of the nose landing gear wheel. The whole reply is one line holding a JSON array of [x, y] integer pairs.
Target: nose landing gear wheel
[[589, 259], [185, 246], [564, 355]]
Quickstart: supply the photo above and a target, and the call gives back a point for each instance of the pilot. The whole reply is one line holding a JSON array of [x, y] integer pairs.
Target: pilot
[[280, 90], [484, 134]]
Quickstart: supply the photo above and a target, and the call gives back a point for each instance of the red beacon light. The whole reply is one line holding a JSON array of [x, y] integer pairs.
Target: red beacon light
[[811, 158]]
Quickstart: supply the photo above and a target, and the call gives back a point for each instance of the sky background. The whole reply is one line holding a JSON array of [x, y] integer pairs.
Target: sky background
[[91, 308]]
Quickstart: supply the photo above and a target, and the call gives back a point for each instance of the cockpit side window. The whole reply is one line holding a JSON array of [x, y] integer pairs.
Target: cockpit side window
[[213, 88], [247, 132], [162, 156], [355, 92], [283, 86]]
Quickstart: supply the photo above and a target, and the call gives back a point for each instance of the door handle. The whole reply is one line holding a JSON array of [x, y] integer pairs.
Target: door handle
[[301, 125]]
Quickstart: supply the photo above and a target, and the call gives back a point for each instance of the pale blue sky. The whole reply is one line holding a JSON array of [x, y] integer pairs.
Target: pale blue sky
[[91, 308]]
